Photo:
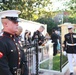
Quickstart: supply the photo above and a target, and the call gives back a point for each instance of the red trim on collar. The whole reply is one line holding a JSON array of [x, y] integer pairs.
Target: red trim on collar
[[1, 54]]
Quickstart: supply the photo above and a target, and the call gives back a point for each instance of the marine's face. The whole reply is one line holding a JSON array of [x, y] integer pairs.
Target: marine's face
[[41, 29], [70, 30], [12, 26]]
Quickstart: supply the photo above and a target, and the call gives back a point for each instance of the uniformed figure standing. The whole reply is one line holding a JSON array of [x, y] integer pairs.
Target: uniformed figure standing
[[12, 58], [70, 46], [40, 39]]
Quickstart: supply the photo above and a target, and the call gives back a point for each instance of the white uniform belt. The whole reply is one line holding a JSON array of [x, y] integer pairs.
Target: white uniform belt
[[71, 44]]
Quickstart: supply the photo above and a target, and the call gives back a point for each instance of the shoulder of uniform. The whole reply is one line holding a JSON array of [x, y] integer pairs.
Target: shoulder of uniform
[[1, 37], [36, 32], [74, 33], [66, 34]]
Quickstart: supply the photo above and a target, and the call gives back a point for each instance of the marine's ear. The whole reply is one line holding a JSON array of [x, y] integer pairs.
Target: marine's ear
[[4, 22]]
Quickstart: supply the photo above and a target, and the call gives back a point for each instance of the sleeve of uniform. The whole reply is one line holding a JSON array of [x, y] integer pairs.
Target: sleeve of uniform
[[33, 37], [4, 68], [65, 40], [64, 43], [24, 66]]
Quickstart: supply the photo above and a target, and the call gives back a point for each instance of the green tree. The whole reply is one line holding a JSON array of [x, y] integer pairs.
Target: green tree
[[72, 11], [50, 23], [71, 7], [30, 9]]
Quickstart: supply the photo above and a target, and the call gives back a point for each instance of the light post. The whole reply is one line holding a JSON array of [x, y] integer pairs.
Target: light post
[[61, 18]]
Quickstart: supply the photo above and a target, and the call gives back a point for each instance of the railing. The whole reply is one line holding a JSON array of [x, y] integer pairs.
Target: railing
[[41, 57], [43, 52]]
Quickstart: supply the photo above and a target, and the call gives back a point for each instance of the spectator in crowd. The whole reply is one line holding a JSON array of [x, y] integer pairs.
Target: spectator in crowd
[[58, 41], [18, 33], [47, 36], [12, 58], [47, 40], [27, 37], [54, 38]]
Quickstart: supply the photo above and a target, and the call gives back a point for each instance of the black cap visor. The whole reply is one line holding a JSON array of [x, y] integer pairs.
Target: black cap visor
[[13, 19], [69, 28]]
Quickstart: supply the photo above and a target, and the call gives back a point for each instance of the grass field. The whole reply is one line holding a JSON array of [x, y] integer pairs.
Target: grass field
[[56, 62]]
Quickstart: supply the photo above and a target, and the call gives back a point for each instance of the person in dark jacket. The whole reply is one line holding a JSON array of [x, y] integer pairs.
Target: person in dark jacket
[[70, 45], [54, 38], [27, 37], [12, 58], [38, 34], [39, 38]]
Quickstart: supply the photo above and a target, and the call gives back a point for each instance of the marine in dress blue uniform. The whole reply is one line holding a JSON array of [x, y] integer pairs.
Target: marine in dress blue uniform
[[38, 37], [12, 57], [70, 45]]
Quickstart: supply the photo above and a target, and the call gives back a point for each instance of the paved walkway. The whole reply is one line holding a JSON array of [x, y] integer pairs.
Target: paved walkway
[[67, 73], [49, 73]]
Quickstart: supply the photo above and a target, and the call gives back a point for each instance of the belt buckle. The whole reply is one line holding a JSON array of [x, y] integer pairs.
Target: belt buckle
[[19, 71]]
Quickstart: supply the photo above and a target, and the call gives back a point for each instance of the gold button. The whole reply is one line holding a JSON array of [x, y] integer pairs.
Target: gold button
[[16, 44], [14, 39], [10, 35], [11, 50], [19, 63], [21, 45], [18, 48], [19, 58], [19, 53], [14, 71]]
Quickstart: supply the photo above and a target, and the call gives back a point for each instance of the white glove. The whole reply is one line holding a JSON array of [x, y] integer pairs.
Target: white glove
[[64, 53]]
